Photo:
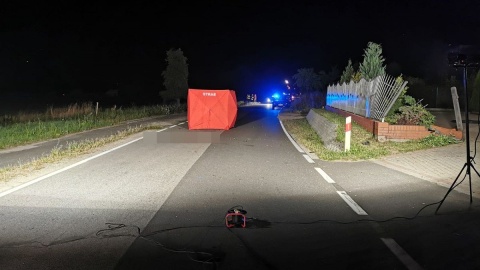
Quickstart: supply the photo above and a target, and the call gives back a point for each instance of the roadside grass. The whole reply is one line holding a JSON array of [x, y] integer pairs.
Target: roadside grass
[[24, 128], [362, 145], [70, 150]]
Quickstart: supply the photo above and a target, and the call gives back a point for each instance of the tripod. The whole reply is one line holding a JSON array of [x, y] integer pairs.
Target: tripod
[[468, 165]]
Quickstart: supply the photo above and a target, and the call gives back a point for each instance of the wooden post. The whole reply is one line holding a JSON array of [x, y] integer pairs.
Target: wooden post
[[348, 132], [456, 107], [96, 112]]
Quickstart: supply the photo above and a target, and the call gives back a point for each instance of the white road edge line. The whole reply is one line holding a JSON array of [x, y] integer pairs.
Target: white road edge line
[[2, 194], [325, 176], [352, 203], [401, 254], [308, 158], [291, 139]]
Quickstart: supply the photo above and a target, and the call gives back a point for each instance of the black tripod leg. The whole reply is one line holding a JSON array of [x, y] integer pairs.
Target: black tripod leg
[[471, 165], [475, 170], [451, 187]]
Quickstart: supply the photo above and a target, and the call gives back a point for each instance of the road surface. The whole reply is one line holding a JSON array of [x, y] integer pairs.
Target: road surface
[[162, 206]]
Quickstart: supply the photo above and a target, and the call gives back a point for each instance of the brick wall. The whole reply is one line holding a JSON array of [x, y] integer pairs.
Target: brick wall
[[383, 131], [366, 123]]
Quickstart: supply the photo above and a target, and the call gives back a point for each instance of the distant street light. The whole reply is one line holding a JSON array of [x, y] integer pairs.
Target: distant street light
[[288, 85]]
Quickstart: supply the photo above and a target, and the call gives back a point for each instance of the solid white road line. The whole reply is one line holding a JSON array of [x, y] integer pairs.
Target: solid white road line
[[68, 167], [64, 169], [352, 203], [291, 140], [325, 176], [401, 254], [308, 158]]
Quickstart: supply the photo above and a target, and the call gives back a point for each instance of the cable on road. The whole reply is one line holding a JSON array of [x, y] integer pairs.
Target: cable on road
[[196, 256], [355, 221], [206, 258]]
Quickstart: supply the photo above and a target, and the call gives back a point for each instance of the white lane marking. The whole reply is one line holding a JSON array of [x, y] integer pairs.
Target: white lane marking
[[401, 254], [172, 126], [325, 176], [352, 203], [292, 140], [308, 158], [36, 180]]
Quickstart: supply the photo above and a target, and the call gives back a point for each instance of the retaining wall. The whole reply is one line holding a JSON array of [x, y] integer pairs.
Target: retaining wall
[[325, 129]]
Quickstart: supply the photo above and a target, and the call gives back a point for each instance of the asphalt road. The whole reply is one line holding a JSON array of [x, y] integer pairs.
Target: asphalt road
[[23, 154], [163, 206]]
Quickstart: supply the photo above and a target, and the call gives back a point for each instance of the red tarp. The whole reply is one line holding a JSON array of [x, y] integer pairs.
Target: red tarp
[[211, 109]]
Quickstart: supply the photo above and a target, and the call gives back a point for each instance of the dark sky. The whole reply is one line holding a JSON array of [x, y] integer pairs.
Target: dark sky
[[247, 46]]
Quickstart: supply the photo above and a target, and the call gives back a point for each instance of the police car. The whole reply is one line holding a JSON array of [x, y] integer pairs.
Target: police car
[[280, 100]]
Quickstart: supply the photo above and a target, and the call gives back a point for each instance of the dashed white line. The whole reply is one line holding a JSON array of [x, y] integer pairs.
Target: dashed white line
[[401, 254], [308, 158], [325, 176], [352, 203]]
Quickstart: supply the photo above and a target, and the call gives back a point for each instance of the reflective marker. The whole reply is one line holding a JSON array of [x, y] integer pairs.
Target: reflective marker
[[348, 132]]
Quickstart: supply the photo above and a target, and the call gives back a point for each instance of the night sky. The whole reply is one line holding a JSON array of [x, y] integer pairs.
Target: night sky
[[50, 49]]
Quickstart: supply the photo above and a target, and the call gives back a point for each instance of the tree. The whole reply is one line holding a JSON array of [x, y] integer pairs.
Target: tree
[[372, 65], [306, 80], [175, 76], [347, 73]]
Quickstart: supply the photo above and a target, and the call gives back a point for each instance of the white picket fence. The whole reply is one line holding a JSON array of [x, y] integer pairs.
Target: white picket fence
[[372, 99]]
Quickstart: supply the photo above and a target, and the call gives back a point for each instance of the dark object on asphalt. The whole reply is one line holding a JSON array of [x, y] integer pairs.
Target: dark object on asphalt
[[236, 218]]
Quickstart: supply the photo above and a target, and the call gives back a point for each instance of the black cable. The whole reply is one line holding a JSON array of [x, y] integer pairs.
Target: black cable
[[355, 221], [113, 227], [210, 258], [465, 176], [472, 159]]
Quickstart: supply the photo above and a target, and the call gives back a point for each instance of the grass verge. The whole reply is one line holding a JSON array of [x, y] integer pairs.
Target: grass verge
[[71, 150], [363, 146], [25, 128]]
